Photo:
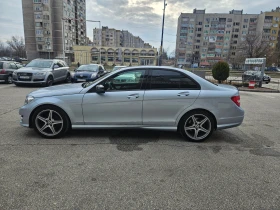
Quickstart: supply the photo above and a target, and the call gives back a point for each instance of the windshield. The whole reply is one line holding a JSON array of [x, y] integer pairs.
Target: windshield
[[87, 84], [40, 64], [88, 68]]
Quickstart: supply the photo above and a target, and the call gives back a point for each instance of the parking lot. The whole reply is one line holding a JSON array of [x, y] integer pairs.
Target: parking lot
[[122, 169]]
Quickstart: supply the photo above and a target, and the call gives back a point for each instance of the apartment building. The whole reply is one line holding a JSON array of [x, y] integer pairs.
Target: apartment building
[[110, 37], [205, 38], [45, 21]]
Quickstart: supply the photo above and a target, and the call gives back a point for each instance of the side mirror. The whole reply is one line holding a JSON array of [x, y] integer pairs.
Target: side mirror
[[55, 66], [100, 89], [75, 70]]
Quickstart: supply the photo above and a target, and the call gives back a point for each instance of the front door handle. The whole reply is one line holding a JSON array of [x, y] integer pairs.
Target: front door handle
[[183, 94], [133, 96]]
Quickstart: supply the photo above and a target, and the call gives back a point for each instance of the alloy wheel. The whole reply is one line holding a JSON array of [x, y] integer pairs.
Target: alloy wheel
[[10, 80], [49, 122], [197, 127]]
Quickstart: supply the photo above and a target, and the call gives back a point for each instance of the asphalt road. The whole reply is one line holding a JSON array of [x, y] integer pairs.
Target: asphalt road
[[235, 169]]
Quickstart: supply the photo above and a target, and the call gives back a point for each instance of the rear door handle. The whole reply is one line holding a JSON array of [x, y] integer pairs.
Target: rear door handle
[[183, 94], [133, 96]]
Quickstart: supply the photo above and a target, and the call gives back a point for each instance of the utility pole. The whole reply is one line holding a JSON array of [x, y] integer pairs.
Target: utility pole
[[162, 31]]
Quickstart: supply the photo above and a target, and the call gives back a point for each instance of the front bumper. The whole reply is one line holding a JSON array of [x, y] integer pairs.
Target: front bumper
[[25, 112], [32, 80], [74, 80], [3, 76]]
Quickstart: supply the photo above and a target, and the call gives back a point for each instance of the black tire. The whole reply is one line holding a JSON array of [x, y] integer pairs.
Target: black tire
[[68, 78], [49, 81], [18, 84], [194, 127], [59, 128], [9, 79]]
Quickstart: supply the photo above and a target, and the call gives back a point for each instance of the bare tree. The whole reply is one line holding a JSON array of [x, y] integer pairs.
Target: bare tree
[[253, 46], [18, 46], [4, 50]]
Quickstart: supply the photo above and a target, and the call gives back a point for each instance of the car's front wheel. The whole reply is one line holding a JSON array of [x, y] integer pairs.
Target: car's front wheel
[[49, 81], [50, 122], [196, 126], [9, 80]]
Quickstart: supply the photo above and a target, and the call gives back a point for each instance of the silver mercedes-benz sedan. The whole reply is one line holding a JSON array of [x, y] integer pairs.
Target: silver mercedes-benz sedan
[[146, 97]]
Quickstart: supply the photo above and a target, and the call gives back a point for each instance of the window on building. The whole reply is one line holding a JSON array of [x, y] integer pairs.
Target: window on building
[[246, 20], [236, 24], [38, 16], [235, 42], [46, 24], [40, 47], [38, 24], [274, 32], [206, 31], [94, 58], [171, 80], [198, 35], [276, 18], [198, 41], [39, 32], [38, 8], [200, 23], [199, 29], [229, 20], [37, 1], [228, 25], [245, 26], [244, 32], [45, 1], [111, 59], [46, 17], [233, 53], [206, 26], [227, 32], [236, 30], [197, 47]]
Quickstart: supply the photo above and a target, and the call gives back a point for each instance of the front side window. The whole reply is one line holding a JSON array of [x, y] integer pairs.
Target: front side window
[[125, 81], [171, 80]]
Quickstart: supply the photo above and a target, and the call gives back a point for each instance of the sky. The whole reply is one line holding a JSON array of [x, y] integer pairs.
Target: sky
[[141, 17]]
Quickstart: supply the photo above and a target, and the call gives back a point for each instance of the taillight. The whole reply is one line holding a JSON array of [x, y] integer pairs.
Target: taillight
[[236, 100], [3, 71]]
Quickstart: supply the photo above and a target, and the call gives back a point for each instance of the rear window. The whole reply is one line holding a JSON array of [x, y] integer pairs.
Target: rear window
[[1, 65]]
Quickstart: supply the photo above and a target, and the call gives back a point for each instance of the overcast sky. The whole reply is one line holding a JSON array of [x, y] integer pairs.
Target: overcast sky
[[141, 17]]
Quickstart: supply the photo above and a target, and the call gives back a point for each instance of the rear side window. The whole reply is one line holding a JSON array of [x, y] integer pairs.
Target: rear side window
[[1, 65], [171, 80]]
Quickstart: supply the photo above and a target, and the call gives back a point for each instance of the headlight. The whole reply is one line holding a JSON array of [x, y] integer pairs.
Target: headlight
[[28, 99], [40, 74], [93, 75]]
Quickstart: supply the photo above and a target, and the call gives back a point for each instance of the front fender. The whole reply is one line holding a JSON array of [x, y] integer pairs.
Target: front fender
[[71, 104]]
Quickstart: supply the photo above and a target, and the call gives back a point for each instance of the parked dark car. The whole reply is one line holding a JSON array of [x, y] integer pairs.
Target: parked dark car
[[271, 69], [6, 70], [87, 73], [255, 75]]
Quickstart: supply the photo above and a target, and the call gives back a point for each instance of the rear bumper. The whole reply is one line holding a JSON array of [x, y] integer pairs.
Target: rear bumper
[[230, 122]]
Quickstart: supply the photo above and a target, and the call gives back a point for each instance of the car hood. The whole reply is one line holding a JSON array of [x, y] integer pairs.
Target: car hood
[[32, 70], [58, 90]]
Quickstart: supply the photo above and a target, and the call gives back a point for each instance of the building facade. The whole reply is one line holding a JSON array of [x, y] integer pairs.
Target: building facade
[[115, 55], [110, 37], [45, 21], [205, 38]]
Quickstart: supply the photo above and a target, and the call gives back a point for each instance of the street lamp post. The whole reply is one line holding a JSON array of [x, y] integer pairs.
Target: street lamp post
[[162, 31], [100, 43], [48, 43]]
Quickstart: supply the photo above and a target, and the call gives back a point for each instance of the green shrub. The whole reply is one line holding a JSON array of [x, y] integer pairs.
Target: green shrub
[[220, 71]]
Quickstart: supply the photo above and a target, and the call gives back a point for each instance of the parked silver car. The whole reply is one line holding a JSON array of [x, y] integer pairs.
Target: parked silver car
[[163, 98], [42, 72]]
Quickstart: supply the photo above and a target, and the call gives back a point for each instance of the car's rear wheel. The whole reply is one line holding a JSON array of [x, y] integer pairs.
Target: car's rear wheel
[[196, 126], [9, 79], [49, 81], [50, 122]]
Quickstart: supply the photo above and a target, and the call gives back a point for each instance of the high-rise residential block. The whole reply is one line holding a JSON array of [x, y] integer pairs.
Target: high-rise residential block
[[205, 38], [109, 37], [45, 21]]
